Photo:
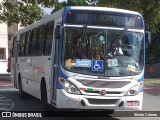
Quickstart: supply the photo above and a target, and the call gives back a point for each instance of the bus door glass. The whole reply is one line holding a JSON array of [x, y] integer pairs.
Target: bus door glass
[[55, 68]]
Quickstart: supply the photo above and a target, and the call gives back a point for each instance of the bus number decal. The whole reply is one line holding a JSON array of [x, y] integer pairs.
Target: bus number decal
[[72, 101]]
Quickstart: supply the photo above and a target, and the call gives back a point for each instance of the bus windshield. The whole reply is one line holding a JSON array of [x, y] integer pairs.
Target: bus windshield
[[105, 52]]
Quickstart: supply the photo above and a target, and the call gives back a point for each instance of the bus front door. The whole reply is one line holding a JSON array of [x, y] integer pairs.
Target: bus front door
[[55, 65]]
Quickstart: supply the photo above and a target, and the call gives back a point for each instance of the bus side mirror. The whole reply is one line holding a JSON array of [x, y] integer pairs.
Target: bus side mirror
[[147, 34], [57, 32]]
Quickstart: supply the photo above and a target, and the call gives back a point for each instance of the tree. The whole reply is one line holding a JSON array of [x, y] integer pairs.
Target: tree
[[150, 9], [20, 13]]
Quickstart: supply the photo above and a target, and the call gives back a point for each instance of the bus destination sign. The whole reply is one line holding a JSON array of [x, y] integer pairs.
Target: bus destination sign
[[103, 18]]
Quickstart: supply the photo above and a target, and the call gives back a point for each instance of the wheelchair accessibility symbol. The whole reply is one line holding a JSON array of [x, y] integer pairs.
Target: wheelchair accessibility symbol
[[97, 65]]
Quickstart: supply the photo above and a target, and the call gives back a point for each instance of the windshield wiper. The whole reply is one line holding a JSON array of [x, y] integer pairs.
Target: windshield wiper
[[118, 38]]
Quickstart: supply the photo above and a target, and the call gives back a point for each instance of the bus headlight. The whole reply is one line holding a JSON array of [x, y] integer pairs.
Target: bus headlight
[[69, 87], [134, 90]]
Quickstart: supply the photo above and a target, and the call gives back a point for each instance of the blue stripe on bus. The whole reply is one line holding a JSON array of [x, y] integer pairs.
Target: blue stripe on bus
[[64, 14], [61, 75], [141, 79]]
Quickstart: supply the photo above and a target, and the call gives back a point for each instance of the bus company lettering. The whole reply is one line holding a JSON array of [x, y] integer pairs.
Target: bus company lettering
[[14, 114], [38, 69], [72, 100]]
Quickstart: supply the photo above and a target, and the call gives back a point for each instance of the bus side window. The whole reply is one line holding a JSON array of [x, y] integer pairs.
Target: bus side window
[[27, 43], [22, 43], [33, 42], [48, 38], [40, 40]]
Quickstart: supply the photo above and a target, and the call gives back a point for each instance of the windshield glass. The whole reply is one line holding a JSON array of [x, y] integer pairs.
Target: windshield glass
[[102, 51]]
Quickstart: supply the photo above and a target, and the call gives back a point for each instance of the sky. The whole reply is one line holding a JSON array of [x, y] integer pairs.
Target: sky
[[62, 0], [49, 10]]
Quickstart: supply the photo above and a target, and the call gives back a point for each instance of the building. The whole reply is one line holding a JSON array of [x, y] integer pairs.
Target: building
[[11, 30], [6, 38], [6, 41]]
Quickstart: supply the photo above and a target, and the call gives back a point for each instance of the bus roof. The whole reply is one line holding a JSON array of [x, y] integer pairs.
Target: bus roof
[[104, 9]]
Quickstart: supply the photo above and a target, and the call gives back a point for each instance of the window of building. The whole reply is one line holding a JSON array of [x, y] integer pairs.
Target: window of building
[[2, 53]]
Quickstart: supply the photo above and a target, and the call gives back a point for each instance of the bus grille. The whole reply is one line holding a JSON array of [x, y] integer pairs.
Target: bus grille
[[108, 92], [104, 84], [102, 101]]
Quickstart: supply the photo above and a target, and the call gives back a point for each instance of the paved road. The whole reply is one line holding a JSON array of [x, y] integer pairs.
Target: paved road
[[9, 95]]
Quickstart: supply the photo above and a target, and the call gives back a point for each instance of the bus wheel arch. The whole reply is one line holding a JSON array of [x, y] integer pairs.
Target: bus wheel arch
[[23, 94], [43, 89]]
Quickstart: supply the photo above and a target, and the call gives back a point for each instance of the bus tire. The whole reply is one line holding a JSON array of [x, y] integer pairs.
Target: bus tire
[[44, 96], [23, 95]]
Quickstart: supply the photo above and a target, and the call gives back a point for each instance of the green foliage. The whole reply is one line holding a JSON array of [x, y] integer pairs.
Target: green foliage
[[153, 50], [70, 3], [20, 13], [29, 12], [150, 9]]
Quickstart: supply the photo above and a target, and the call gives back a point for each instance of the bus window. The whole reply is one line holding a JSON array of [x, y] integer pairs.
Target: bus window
[[22, 44], [27, 43], [14, 46], [40, 40], [49, 38], [33, 42]]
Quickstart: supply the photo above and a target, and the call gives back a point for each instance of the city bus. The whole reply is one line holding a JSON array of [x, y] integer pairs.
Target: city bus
[[82, 58]]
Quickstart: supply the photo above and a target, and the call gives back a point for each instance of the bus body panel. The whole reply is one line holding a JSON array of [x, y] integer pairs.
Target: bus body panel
[[67, 101], [33, 69]]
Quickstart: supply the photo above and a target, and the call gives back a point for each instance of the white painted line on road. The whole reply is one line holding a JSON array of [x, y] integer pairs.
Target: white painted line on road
[[6, 106]]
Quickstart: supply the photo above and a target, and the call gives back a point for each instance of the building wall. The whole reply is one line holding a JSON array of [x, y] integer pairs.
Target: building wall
[[3, 41], [3, 48], [6, 40]]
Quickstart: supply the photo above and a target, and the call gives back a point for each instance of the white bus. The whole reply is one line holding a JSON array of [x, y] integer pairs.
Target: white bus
[[82, 58]]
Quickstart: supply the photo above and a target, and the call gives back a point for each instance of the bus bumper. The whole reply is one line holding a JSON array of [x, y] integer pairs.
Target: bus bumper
[[66, 100]]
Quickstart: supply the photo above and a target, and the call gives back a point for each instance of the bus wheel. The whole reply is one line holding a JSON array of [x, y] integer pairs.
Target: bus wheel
[[44, 96], [23, 94]]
